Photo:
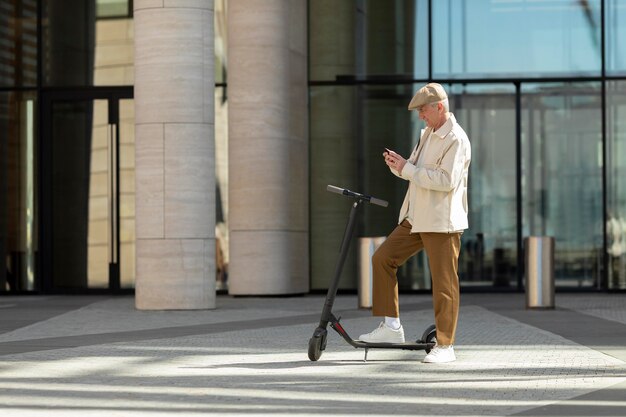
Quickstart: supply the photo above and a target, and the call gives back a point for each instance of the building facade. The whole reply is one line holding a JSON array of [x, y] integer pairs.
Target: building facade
[[179, 147]]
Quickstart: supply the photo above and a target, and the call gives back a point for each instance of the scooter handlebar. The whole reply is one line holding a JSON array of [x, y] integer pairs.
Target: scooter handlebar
[[346, 192]]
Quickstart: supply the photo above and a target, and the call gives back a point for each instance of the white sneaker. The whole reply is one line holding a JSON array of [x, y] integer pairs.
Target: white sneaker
[[441, 354], [384, 334]]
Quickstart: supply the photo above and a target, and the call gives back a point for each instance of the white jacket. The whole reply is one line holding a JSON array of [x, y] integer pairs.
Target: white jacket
[[438, 182]]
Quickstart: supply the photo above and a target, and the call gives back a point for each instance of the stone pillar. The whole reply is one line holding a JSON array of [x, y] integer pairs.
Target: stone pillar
[[268, 147], [174, 154]]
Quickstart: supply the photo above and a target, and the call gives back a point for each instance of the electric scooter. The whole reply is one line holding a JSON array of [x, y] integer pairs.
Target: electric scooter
[[317, 343]]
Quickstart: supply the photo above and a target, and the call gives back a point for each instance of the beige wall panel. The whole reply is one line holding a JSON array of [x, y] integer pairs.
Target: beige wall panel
[[127, 181], [265, 273], [149, 180], [114, 54], [114, 76], [114, 30], [99, 207], [189, 169], [175, 274]]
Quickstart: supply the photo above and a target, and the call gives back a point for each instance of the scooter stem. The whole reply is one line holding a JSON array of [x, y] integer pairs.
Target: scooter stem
[[343, 253]]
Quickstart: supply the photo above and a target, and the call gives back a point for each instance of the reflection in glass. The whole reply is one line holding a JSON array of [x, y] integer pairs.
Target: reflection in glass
[[333, 156], [222, 254], [80, 49], [369, 38], [114, 52], [616, 183], [485, 38], [562, 176], [331, 39], [221, 40], [385, 122], [18, 43], [18, 192], [68, 31], [350, 127], [388, 41], [615, 33], [113, 8], [489, 246], [80, 197], [85, 194]]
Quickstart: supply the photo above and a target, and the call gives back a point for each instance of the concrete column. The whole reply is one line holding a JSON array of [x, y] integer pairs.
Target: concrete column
[[174, 154], [268, 147]]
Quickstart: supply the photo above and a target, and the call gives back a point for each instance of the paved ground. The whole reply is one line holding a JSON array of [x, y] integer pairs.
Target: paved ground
[[98, 356]]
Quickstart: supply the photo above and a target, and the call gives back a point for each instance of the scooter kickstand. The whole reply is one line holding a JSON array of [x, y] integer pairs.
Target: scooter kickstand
[[365, 358]]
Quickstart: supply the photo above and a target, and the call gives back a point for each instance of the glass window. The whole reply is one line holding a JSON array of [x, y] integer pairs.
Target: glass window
[[333, 156], [113, 8], [392, 40], [616, 183], [221, 189], [18, 43], [221, 40], [350, 127], [81, 50], [562, 176], [331, 39], [615, 37], [385, 122], [370, 38], [18, 192], [487, 38], [489, 247]]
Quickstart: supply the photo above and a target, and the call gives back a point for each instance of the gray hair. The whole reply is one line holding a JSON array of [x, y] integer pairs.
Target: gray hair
[[445, 103]]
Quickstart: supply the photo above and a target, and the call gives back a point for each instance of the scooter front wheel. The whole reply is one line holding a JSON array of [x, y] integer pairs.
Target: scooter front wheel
[[429, 336], [317, 343]]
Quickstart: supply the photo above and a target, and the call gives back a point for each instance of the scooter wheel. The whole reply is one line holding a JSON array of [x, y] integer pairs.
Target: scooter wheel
[[430, 336], [317, 343], [315, 348]]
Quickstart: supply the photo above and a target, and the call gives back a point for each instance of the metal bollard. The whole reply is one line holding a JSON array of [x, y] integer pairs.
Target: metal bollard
[[367, 247], [539, 271]]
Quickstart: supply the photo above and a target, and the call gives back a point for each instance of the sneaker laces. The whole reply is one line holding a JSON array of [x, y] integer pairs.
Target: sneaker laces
[[377, 330], [439, 349]]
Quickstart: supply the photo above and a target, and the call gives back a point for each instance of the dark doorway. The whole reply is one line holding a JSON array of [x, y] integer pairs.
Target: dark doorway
[[87, 178]]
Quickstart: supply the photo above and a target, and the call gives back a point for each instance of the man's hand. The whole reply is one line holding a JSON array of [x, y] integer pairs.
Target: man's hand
[[394, 161]]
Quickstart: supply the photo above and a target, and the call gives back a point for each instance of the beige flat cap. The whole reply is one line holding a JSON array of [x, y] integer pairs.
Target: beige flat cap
[[430, 93]]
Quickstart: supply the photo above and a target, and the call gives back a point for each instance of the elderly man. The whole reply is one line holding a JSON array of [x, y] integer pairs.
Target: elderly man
[[433, 217]]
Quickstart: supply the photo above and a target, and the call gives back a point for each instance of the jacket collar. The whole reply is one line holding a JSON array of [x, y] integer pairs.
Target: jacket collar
[[445, 129]]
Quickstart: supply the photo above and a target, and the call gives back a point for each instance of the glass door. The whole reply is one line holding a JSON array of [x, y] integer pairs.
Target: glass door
[[89, 197]]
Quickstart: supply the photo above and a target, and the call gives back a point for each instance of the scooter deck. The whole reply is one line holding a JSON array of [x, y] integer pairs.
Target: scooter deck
[[417, 345], [405, 345]]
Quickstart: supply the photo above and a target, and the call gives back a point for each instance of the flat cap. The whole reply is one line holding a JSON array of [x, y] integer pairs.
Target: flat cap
[[430, 93]]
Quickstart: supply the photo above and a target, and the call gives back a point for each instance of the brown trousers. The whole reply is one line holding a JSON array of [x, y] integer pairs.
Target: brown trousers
[[442, 250]]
